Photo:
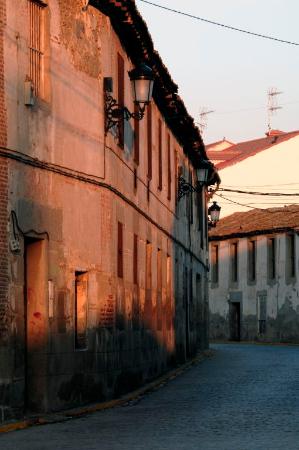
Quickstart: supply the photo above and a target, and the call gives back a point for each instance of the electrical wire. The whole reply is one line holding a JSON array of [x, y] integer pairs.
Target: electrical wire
[[229, 27], [229, 186], [269, 194], [253, 207]]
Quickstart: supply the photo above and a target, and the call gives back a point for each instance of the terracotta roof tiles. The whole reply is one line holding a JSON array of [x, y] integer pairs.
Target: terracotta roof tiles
[[239, 152], [256, 221]]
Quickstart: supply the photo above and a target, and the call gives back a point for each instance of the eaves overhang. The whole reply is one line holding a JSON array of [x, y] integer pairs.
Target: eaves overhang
[[136, 39]]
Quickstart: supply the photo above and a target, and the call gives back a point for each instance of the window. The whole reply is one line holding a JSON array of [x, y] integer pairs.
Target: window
[[251, 260], [136, 137], [168, 169], [190, 200], [160, 155], [215, 263], [148, 269], [191, 285], [290, 256], [149, 142], [36, 44], [148, 287], [80, 310], [135, 260], [271, 244], [201, 217], [120, 264], [168, 294], [121, 97], [234, 261], [159, 290], [176, 181]]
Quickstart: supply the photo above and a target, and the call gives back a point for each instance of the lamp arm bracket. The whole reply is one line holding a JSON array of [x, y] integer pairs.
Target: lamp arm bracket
[[185, 188], [114, 112]]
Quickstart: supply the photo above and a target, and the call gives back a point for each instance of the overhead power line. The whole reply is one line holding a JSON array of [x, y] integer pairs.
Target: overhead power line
[[250, 205], [271, 194], [212, 22]]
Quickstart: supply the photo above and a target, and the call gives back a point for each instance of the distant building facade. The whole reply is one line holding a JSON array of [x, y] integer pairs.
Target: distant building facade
[[268, 164], [254, 281], [104, 273]]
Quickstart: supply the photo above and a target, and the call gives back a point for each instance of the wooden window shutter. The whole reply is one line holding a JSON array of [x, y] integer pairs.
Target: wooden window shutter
[[121, 96], [135, 260], [136, 137], [160, 155], [149, 142], [168, 169]]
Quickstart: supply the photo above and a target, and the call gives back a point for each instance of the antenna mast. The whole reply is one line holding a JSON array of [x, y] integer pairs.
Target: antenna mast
[[272, 104], [203, 120]]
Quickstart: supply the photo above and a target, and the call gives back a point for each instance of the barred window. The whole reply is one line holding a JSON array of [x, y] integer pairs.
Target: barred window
[[215, 263], [36, 51], [290, 256], [271, 244], [251, 260], [234, 262]]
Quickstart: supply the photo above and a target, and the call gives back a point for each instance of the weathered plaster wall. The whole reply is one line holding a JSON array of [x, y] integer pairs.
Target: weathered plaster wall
[[5, 312], [282, 294], [77, 222]]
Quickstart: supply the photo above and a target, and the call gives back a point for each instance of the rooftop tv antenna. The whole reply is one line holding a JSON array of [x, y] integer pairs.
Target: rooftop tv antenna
[[272, 104], [203, 119]]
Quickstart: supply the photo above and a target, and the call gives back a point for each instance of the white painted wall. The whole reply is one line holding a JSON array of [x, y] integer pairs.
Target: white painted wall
[[279, 291], [275, 166]]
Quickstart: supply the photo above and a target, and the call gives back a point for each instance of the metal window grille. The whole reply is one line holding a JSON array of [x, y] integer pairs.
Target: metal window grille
[[35, 44]]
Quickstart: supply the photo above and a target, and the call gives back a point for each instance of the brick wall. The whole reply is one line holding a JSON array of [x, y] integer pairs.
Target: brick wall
[[3, 189]]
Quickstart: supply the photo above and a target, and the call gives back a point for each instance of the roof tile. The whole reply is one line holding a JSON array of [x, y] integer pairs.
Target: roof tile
[[256, 221]]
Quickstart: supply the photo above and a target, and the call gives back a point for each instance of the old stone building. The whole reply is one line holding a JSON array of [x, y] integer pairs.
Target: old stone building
[[254, 292], [103, 281]]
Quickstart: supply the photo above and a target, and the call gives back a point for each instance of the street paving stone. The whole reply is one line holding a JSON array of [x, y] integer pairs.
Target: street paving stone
[[244, 398]]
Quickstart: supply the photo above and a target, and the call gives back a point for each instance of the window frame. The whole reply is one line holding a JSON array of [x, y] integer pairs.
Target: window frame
[[251, 261], [37, 46], [234, 262]]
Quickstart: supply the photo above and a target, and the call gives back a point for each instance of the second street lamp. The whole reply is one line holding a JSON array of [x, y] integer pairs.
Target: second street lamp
[[142, 81], [214, 214], [202, 173]]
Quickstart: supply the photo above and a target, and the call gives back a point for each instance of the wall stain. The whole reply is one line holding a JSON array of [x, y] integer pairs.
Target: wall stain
[[80, 34]]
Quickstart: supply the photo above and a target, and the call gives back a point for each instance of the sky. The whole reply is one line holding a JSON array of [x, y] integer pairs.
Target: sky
[[229, 72]]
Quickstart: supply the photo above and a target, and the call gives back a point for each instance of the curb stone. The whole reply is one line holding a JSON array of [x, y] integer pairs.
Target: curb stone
[[126, 400]]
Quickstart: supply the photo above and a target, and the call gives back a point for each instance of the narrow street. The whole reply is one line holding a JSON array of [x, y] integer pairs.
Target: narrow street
[[245, 398]]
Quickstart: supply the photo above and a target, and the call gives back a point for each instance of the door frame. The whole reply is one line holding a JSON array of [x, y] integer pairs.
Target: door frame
[[36, 323]]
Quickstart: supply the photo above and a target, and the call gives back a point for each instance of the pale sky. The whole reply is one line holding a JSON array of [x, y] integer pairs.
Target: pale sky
[[227, 71]]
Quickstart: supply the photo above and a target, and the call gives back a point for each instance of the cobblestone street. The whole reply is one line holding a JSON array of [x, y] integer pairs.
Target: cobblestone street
[[244, 398]]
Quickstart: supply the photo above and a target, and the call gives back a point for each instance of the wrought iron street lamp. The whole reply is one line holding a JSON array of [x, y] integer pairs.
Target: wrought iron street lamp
[[214, 214], [202, 173], [142, 81]]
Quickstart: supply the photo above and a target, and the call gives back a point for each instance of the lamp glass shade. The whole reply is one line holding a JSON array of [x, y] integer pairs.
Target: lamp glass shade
[[142, 90], [214, 212], [142, 79], [202, 174]]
